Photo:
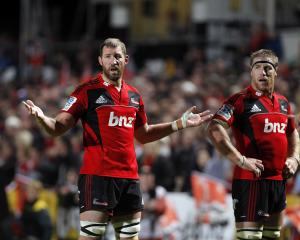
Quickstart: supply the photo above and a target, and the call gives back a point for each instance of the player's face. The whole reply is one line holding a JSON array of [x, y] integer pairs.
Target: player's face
[[263, 75], [113, 62]]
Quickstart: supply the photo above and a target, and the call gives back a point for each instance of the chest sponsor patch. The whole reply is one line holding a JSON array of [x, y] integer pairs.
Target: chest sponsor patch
[[69, 103], [225, 111]]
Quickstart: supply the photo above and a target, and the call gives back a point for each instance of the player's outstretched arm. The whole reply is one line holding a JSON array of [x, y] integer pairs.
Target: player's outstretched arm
[[220, 138], [53, 126], [150, 133]]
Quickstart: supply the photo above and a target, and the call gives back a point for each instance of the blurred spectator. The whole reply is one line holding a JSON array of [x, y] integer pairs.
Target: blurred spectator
[[184, 160], [219, 167], [34, 222], [273, 42], [68, 213], [258, 36], [7, 172], [159, 220], [296, 188]]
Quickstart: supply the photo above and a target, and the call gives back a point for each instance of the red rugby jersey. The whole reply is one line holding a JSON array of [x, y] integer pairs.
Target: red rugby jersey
[[260, 127], [109, 118]]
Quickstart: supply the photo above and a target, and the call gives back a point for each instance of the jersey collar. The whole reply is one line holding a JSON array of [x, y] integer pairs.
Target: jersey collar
[[108, 84], [254, 93]]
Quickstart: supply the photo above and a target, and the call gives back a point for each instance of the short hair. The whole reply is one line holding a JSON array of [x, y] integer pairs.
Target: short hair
[[113, 43], [264, 53]]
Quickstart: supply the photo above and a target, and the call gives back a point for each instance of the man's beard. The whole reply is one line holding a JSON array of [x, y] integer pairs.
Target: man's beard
[[267, 90], [112, 76]]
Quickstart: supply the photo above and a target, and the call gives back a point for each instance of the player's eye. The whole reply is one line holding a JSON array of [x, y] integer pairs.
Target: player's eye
[[267, 68]]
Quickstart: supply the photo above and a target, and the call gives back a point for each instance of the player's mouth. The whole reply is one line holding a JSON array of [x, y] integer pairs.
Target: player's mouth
[[263, 80], [114, 69]]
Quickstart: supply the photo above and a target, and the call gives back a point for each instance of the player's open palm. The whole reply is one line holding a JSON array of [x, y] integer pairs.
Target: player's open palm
[[33, 109], [195, 119]]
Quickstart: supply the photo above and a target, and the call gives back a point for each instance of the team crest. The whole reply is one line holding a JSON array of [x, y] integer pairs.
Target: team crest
[[69, 103], [225, 111]]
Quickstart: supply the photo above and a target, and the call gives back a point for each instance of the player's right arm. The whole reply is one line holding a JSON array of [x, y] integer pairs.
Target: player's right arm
[[53, 126], [221, 140]]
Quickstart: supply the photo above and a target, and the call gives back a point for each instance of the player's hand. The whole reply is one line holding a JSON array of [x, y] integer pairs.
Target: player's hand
[[290, 167], [191, 119], [252, 164], [33, 109]]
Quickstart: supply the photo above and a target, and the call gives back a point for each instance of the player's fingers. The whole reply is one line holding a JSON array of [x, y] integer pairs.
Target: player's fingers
[[206, 112], [258, 161], [206, 117], [290, 171], [288, 164], [26, 104], [257, 172], [259, 165], [191, 109], [30, 103]]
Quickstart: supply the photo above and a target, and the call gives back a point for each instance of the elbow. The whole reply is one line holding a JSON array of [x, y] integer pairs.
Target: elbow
[[54, 134], [142, 141], [209, 131], [216, 133]]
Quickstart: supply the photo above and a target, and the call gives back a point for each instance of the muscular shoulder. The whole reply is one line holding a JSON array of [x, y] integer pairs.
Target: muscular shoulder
[[93, 82], [132, 89], [134, 95], [281, 97], [237, 98]]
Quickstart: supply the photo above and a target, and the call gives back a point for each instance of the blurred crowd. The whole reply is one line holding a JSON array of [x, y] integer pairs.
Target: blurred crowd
[[169, 86]]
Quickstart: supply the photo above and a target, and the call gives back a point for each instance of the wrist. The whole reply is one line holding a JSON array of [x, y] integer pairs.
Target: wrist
[[174, 126], [297, 160], [241, 161], [40, 119], [177, 125]]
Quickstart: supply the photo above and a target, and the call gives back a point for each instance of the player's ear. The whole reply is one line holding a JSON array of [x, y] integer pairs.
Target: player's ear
[[100, 60], [126, 59], [251, 72]]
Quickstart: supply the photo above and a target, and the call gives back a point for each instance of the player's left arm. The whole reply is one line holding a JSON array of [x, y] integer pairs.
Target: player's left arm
[[149, 133], [292, 162]]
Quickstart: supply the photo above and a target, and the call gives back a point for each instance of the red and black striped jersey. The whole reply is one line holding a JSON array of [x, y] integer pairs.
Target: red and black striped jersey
[[260, 127], [109, 118]]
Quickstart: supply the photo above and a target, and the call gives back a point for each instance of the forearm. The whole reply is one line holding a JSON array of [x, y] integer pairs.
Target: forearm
[[58, 125], [150, 133], [222, 142], [293, 145], [50, 126], [156, 131]]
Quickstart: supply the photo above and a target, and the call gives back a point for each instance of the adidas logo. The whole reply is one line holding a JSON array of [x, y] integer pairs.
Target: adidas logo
[[101, 100], [255, 108]]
